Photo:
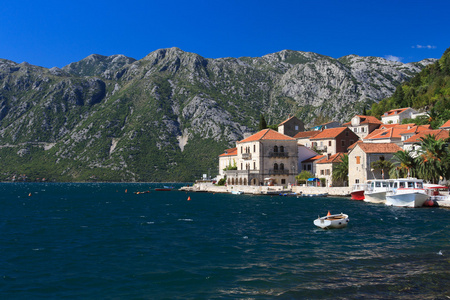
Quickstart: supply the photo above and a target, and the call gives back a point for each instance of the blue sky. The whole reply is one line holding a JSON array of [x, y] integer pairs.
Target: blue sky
[[52, 33]]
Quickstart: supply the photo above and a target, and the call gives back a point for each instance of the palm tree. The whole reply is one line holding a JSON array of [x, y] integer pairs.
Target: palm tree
[[403, 165], [382, 165], [434, 158], [340, 171]]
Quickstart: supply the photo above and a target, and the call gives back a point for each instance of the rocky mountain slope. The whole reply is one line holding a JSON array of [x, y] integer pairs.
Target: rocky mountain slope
[[168, 115]]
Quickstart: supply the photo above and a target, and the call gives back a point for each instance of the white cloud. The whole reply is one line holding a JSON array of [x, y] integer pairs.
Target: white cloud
[[393, 58], [424, 47]]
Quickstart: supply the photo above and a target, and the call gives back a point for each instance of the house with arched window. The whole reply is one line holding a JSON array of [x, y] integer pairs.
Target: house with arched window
[[266, 156]]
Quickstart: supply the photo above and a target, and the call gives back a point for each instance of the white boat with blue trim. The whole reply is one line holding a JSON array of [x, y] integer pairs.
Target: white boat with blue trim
[[407, 192]]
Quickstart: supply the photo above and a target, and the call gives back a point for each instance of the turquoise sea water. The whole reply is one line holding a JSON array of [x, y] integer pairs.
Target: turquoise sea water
[[94, 241]]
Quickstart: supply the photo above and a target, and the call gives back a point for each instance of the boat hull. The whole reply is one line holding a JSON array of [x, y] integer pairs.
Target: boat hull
[[375, 197], [332, 222], [357, 195], [412, 199]]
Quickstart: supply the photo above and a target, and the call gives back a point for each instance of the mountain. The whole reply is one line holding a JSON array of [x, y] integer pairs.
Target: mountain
[[427, 90], [169, 115]]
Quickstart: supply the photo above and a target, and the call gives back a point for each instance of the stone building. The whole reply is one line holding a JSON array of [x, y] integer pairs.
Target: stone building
[[266, 156]]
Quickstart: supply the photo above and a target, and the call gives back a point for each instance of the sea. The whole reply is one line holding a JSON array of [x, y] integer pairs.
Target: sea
[[107, 241]]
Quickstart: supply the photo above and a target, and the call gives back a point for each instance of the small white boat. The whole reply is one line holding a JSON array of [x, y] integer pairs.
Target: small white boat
[[407, 192], [332, 221], [237, 192], [376, 190]]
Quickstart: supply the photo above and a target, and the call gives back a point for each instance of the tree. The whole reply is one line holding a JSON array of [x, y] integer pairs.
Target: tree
[[303, 176], [433, 161], [340, 172], [383, 165], [262, 123], [404, 165]]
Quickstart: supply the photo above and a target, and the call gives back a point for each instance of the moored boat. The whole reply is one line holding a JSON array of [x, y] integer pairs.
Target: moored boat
[[376, 190], [237, 192], [357, 192], [332, 221], [407, 192], [164, 189]]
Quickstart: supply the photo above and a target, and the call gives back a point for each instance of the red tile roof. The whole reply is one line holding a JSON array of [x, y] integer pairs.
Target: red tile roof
[[329, 133], [416, 129], [395, 111], [314, 158], [393, 132], [365, 120], [230, 152], [439, 134], [446, 125], [378, 147], [335, 158], [306, 134], [267, 134]]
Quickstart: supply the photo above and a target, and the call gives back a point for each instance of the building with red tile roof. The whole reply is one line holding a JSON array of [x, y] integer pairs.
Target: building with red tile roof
[[362, 155], [396, 116], [363, 125], [333, 140], [412, 144], [325, 167], [266, 154]]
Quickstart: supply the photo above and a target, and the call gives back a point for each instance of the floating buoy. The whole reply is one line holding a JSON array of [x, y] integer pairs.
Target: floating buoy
[[189, 198], [126, 190], [29, 195], [328, 214]]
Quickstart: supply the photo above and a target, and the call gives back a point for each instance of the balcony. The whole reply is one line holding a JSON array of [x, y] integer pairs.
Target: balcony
[[278, 172], [246, 156], [279, 154]]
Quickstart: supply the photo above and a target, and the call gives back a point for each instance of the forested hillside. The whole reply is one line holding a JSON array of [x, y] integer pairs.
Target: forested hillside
[[429, 90]]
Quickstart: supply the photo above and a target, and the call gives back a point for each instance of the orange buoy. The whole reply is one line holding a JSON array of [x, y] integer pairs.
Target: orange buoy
[[328, 214], [189, 198], [29, 195], [126, 190]]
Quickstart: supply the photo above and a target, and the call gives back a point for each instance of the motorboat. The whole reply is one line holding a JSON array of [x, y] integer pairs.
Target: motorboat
[[332, 221], [439, 195], [237, 192], [358, 190], [407, 192], [164, 189], [376, 190]]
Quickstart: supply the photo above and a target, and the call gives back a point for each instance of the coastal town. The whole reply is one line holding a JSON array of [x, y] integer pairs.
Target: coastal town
[[269, 161]]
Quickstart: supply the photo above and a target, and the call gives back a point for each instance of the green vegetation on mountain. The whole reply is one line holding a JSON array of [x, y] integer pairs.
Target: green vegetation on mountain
[[168, 116], [428, 90]]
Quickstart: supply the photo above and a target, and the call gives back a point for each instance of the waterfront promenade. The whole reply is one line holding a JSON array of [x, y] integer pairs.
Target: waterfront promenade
[[206, 186]]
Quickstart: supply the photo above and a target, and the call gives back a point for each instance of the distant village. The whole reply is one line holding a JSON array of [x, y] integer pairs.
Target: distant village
[[275, 158]]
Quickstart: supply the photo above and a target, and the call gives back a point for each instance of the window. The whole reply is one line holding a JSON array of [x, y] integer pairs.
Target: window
[[254, 165], [296, 127], [281, 149], [281, 166], [329, 143], [283, 181], [356, 180], [343, 143], [358, 160], [275, 149], [254, 148], [242, 167], [321, 172], [275, 166], [327, 171]]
